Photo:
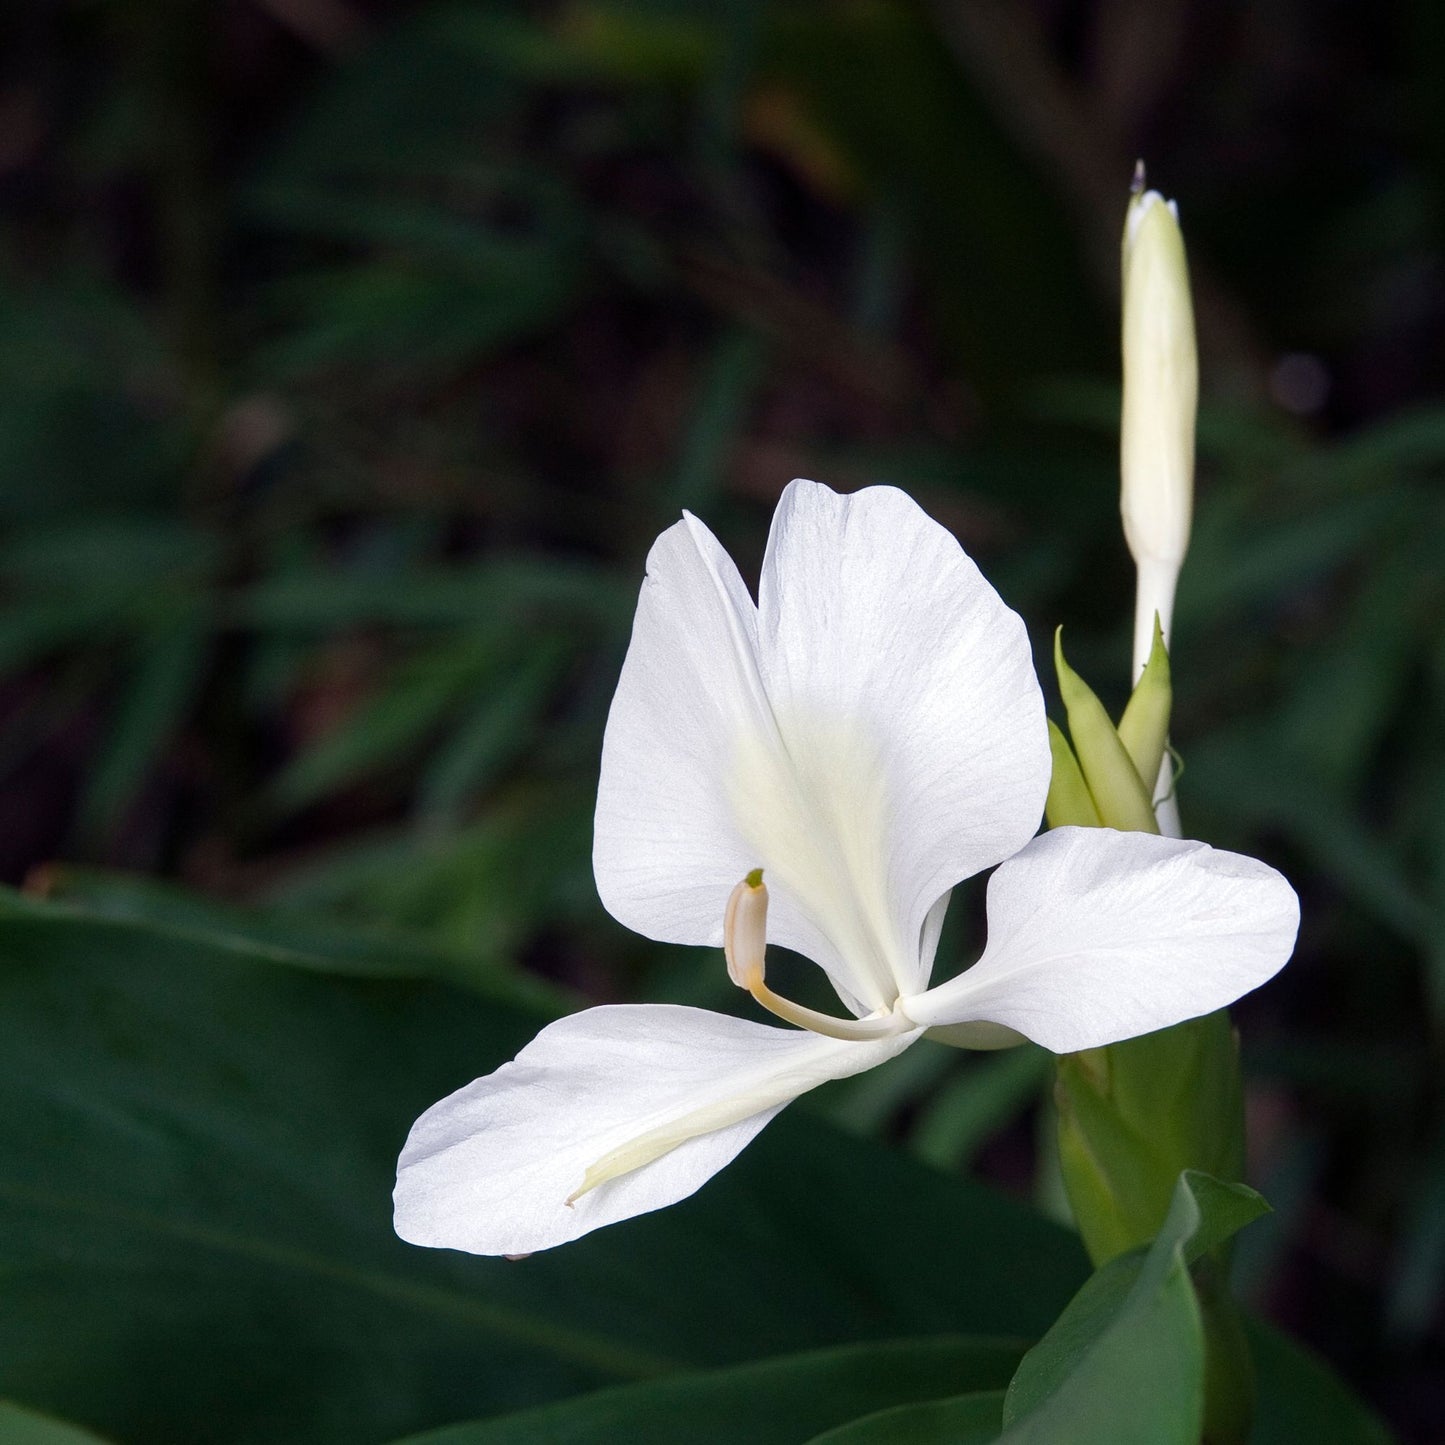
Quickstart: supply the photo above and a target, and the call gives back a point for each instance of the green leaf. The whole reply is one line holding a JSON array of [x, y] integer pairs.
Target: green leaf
[[196, 1157], [1238, 564], [1116, 788], [1301, 1399], [730, 382], [122, 916], [640, 44], [1346, 694], [989, 1091], [31, 630], [19, 1426], [409, 707], [867, 1102], [123, 558], [777, 1402], [364, 314], [490, 732], [881, 86], [81, 432], [1144, 727], [971, 1419], [475, 892], [1245, 771], [1069, 801], [1134, 1114], [1124, 1363], [83, 583], [1408, 439], [160, 688], [510, 591], [1419, 1272], [416, 102]]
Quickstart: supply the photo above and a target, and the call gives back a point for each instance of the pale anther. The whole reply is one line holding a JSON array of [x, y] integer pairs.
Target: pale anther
[[745, 945], [745, 930]]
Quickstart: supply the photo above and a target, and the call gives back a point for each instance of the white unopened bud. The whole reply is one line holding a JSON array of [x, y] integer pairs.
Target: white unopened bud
[[1161, 395]]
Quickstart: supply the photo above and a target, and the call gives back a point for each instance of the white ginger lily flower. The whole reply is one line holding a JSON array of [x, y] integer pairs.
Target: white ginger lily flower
[[867, 735]]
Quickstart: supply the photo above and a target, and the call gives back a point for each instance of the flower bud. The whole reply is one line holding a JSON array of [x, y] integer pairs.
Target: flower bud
[[1161, 392], [1144, 728], [1119, 794]]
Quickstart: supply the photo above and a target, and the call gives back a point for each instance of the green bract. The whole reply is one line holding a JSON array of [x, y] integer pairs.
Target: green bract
[[1104, 762]]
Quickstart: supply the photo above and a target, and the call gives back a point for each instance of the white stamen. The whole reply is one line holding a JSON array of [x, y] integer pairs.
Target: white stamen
[[745, 930], [745, 944]]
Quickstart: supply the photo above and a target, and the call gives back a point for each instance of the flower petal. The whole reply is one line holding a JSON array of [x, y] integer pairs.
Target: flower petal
[[905, 694], [869, 736], [661, 1097], [666, 851], [1096, 936]]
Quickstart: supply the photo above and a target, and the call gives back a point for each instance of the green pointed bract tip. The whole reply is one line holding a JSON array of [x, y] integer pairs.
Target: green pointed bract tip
[[755, 878], [1119, 794], [1144, 728], [1069, 802]]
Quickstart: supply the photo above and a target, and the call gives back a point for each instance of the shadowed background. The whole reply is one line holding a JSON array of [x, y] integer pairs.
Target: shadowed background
[[351, 355]]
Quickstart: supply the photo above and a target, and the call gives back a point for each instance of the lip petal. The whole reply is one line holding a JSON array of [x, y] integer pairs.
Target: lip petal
[[609, 1113]]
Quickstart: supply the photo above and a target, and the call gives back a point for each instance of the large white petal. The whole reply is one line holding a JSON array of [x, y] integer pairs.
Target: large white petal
[[1096, 936], [666, 850], [875, 735], [696, 788], [905, 695], [490, 1168]]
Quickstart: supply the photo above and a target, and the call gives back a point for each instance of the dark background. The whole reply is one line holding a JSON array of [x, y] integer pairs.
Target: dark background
[[352, 353]]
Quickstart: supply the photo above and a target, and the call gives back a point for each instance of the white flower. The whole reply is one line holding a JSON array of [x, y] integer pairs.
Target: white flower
[[867, 735], [1161, 398]]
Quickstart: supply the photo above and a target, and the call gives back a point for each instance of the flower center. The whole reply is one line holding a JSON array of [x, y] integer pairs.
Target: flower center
[[745, 945]]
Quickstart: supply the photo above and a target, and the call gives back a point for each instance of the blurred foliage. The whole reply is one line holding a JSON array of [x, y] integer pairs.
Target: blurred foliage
[[351, 355], [195, 1236]]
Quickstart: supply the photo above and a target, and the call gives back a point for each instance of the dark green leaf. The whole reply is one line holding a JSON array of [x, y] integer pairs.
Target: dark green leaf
[[121, 916], [19, 1426], [474, 892], [1301, 1399], [409, 707], [1124, 1363], [122, 557], [972, 1419], [729, 385], [160, 688], [1248, 773], [416, 102], [1236, 563], [505, 591], [363, 314], [865, 1103], [196, 1153], [498, 723], [777, 1402], [888, 94], [980, 1100]]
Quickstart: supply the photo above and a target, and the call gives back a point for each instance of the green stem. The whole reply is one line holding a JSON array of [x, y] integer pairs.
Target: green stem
[[1229, 1378]]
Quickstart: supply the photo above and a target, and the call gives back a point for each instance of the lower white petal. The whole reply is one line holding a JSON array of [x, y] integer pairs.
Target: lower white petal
[[661, 1097], [1096, 936]]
